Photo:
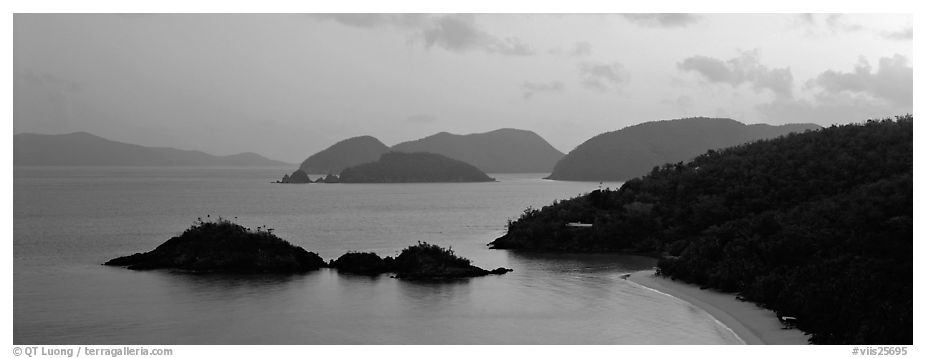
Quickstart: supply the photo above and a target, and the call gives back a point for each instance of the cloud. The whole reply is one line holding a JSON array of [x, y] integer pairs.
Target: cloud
[[602, 76], [373, 20], [420, 119], [682, 104], [531, 88], [741, 70], [453, 32], [832, 23], [663, 20], [511, 46], [850, 96], [806, 19], [892, 82], [904, 34], [459, 33], [49, 81], [827, 109], [838, 22], [580, 48]]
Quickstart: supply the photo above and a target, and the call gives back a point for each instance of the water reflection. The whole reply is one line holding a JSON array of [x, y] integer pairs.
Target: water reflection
[[578, 262], [434, 293], [358, 278]]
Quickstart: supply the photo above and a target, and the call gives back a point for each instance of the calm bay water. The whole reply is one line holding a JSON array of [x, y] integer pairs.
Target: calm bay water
[[67, 221]]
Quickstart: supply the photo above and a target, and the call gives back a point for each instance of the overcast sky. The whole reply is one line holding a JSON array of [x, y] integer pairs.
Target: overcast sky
[[289, 85]]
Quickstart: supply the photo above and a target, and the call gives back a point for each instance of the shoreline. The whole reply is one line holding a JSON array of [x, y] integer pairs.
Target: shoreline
[[749, 322]]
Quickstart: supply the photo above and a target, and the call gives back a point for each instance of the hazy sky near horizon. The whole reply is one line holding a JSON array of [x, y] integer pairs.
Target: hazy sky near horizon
[[289, 85]]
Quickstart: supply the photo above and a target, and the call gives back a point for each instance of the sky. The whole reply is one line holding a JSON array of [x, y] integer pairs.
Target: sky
[[289, 85]]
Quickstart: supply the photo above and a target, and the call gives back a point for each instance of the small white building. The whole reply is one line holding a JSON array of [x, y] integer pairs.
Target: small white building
[[578, 225]]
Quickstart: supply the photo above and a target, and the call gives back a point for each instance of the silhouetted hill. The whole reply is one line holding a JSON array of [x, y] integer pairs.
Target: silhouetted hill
[[499, 151], [85, 149], [224, 246], [817, 225], [635, 150], [343, 154], [399, 167]]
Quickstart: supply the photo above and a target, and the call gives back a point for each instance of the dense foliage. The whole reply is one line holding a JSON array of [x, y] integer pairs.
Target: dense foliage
[[413, 258], [431, 262], [363, 263], [816, 225], [423, 261], [398, 167], [632, 151]]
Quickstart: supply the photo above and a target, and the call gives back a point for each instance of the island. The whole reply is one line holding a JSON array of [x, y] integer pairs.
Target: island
[[816, 226], [398, 167], [417, 262], [363, 263], [505, 150], [298, 177], [223, 246], [343, 154]]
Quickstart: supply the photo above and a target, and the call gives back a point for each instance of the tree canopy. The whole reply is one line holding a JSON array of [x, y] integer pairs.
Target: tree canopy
[[816, 225]]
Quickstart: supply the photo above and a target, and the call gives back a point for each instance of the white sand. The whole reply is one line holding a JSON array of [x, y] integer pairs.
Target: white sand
[[753, 324]]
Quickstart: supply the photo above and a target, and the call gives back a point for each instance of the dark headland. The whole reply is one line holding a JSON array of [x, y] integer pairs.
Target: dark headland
[[817, 226]]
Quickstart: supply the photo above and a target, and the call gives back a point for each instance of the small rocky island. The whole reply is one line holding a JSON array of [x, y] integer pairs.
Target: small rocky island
[[298, 177], [419, 262], [223, 246], [399, 167]]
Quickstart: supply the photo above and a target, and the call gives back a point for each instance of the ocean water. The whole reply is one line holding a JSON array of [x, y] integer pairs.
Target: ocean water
[[67, 221]]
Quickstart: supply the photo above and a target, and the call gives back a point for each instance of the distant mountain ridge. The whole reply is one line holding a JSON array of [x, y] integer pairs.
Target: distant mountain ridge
[[505, 150], [634, 151], [343, 154], [85, 149]]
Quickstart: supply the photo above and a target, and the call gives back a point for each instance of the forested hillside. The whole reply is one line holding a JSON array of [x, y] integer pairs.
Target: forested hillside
[[816, 225]]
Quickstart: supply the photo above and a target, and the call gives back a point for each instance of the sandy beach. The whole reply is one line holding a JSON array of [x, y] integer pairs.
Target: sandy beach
[[753, 324]]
